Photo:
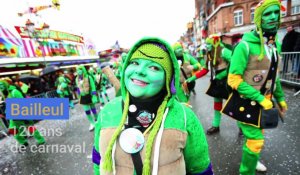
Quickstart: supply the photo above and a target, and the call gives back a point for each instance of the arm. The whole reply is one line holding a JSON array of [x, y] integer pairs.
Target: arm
[[196, 65], [198, 75], [196, 153], [239, 61], [226, 54]]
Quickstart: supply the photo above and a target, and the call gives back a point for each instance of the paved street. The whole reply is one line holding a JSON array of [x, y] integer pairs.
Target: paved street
[[281, 152]]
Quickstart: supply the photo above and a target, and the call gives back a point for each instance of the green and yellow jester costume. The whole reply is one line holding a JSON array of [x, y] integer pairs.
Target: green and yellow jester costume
[[18, 127], [250, 69], [175, 142], [86, 89], [188, 66], [218, 57]]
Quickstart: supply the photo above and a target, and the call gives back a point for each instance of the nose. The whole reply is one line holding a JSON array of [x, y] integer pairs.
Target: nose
[[140, 70]]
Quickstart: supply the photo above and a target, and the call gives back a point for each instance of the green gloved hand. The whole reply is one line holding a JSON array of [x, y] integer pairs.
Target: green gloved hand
[[192, 78]]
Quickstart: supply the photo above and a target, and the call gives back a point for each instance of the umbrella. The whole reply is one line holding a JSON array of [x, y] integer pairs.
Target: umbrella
[[26, 78], [104, 64], [48, 70]]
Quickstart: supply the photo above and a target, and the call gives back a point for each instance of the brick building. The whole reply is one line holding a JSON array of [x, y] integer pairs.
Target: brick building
[[234, 17]]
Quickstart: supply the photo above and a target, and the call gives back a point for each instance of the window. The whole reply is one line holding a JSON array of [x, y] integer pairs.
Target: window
[[295, 7], [238, 17], [284, 3], [252, 14]]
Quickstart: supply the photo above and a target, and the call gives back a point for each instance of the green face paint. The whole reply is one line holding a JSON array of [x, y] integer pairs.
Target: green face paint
[[144, 78], [179, 52], [270, 19], [208, 47], [79, 72], [2, 87]]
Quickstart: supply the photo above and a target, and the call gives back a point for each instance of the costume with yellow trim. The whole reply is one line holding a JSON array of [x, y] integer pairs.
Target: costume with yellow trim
[[183, 147], [249, 70], [218, 59]]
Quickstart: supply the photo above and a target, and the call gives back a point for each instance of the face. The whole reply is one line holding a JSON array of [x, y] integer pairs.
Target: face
[[144, 78], [79, 72], [270, 19], [2, 87], [209, 47], [179, 52]]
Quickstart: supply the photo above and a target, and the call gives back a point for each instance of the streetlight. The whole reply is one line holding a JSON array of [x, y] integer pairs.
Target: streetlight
[[36, 36]]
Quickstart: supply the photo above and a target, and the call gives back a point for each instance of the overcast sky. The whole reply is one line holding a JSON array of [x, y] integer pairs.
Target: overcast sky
[[105, 21]]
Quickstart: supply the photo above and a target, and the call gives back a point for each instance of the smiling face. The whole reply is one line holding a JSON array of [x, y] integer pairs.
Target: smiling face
[[144, 78], [270, 19]]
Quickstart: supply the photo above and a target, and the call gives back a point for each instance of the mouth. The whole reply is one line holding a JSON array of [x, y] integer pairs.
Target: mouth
[[273, 23], [139, 82]]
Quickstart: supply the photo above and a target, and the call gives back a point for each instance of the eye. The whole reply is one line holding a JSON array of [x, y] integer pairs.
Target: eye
[[155, 68], [267, 14], [134, 62]]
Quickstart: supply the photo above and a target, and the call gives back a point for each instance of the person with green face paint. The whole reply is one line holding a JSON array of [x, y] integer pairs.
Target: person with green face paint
[[188, 66], [86, 89], [146, 130], [18, 127], [253, 66], [218, 58], [63, 90]]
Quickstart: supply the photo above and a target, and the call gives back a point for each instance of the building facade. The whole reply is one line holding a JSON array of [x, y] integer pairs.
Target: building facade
[[234, 17]]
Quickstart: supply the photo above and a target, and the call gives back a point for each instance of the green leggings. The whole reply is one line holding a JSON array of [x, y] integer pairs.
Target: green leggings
[[251, 149]]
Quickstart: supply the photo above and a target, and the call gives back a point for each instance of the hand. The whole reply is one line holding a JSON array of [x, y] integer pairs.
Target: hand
[[94, 99], [192, 78], [185, 88], [266, 104], [283, 106]]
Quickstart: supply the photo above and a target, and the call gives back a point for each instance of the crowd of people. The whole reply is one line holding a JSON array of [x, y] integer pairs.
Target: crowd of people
[[150, 128]]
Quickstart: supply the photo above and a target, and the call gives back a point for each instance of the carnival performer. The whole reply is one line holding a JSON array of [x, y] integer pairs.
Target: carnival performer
[[63, 90], [99, 86], [188, 65], [218, 57], [253, 69], [18, 128], [103, 93], [147, 131], [88, 95]]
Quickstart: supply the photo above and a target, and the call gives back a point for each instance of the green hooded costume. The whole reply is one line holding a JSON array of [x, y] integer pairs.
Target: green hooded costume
[[174, 141], [218, 58], [18, 127], [86, 88], [250, 69], [185, 60]]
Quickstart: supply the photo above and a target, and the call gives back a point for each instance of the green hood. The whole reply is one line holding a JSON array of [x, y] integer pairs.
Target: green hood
[[175, 76], [251, 37], [83, 69]]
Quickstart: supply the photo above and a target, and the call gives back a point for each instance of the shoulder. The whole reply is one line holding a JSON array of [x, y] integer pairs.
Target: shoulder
[[111, 114], [179, 115]]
